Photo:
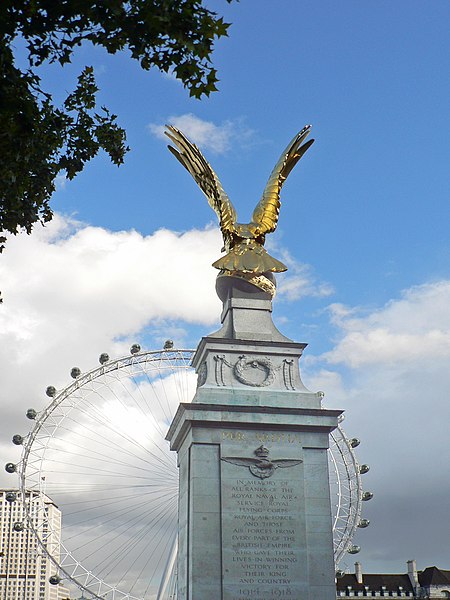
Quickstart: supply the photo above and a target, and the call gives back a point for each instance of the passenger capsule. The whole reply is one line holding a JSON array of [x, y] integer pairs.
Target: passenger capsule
[[17, 439], [11, 496], [51, 391], [367, 496], [75, 372], [135, 348], [364, 523], [354, 549], [31, 413], [10, 468], [354, 442], [54, 579], [103, 358], [18, 526], [364, 469]]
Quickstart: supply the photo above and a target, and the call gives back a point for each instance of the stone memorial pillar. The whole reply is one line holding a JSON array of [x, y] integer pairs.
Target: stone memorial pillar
[[254, 499]]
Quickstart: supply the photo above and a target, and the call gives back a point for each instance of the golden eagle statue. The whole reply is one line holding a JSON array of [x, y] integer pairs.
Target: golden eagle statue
[[243, 243]]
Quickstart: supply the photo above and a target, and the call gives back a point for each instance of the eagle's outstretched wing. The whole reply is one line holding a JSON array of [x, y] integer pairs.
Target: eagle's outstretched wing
[[193, 160], [268, 208]]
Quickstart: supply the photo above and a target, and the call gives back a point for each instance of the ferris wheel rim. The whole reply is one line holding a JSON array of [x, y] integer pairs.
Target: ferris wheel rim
[[69, 564], [354, 509]]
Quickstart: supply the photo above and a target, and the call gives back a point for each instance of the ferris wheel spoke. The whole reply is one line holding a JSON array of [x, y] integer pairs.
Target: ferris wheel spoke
[[116, 498], [52, 464], [111, 427], [140, 546], [94, 436], [113, 514], [124, 405], [161, 552], [149, 408], [149, 466], [161, 516], [167, 496]]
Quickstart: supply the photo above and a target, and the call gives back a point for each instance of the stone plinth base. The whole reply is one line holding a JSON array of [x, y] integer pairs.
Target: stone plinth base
[[254, 505]]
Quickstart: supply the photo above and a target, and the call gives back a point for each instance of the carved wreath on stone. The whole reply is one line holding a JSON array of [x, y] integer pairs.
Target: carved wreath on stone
[[244, 366]]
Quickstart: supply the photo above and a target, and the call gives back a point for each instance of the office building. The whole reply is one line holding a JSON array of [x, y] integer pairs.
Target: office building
[[25, 568]]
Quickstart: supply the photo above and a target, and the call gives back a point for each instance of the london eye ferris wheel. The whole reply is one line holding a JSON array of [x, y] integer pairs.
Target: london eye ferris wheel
[[98, 451]]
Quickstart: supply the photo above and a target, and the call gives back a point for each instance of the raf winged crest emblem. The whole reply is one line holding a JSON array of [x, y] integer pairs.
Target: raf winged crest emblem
[[262, 466], [243, 243]]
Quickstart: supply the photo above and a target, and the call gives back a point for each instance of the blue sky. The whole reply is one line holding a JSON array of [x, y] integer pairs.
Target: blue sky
[[371, 78], [364, 226]]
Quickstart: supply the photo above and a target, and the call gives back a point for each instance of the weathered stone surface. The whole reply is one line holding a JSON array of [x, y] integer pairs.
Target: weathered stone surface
[[269, 532]]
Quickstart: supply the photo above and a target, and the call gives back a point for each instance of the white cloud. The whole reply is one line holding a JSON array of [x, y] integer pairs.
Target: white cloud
[[60, 181], [121, 278], [410, 328], [392, 377], [207, 135], [73, 291], [299, 281]]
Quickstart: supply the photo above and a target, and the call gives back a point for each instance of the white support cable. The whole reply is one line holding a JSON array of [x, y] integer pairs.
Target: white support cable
[[168, 572]]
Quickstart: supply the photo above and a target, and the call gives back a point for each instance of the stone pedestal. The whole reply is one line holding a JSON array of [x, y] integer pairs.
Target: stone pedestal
[[254, 504]]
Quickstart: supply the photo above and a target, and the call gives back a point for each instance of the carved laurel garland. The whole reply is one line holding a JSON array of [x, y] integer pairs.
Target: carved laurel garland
[[202, 374], [244, 364]]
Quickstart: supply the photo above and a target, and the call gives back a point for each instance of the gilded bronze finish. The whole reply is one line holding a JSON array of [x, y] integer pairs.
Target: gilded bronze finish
[[243, 243]]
